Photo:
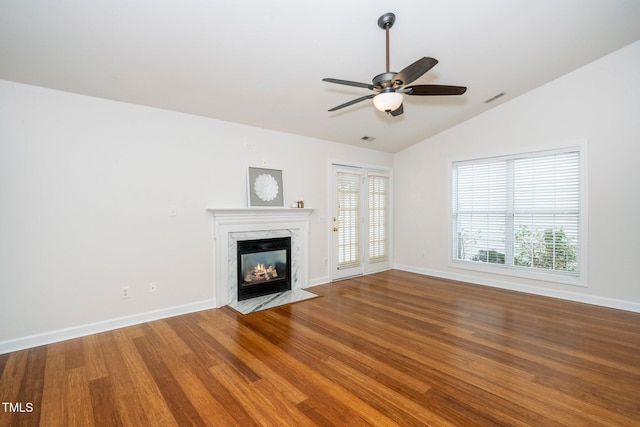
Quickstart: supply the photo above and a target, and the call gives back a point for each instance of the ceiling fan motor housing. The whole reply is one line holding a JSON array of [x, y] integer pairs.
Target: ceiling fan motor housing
[[384, 80]]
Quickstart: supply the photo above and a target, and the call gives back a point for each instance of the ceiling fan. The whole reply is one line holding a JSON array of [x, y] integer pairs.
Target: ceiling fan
[[389, 87]]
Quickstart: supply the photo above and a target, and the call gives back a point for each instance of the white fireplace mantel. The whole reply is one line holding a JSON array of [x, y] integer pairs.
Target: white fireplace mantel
[[257, 213], [233, 225]]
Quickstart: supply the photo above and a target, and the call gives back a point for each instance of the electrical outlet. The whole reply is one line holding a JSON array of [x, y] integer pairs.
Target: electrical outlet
[[124, 292], [173, 210], [153, 287]]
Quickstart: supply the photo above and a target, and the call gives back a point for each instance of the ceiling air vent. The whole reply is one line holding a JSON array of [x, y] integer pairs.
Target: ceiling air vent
[[493, 98]]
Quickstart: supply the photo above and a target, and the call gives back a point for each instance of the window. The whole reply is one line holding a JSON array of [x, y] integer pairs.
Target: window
[[361, 227], [519, 213], [378, 217], [348, 193]]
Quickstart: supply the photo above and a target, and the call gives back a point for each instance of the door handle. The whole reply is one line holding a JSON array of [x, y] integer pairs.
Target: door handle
[[335, 228]]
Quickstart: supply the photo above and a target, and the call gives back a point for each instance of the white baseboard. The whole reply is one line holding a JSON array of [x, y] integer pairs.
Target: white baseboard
[[570, 296], [319, 281], [103, 326], [108, 325], [30, 341]]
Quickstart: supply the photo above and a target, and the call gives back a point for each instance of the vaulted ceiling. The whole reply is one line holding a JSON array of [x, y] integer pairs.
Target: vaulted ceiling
[[261, 63]]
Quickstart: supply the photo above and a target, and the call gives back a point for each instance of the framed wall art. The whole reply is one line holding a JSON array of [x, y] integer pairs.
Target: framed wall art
[[265, 188]]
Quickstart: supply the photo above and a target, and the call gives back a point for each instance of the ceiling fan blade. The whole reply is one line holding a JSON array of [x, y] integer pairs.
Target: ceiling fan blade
[[397, 111], [355, 101], [349, 83], [415, 70], [434, 90]]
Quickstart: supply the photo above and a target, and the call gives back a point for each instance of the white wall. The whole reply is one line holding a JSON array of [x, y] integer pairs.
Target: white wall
[[85, 188], [599, 103]]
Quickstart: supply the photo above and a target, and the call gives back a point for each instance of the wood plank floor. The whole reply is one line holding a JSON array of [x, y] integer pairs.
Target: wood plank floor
[[393, 348]]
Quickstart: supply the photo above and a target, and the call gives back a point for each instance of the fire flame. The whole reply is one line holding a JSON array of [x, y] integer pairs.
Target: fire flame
[[261, 272]]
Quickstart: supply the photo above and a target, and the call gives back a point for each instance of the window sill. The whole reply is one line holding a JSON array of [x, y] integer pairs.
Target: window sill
[[505, 270]]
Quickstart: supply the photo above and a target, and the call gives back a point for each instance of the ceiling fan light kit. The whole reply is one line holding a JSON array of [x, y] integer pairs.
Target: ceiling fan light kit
[[389, 87], [388, 101]]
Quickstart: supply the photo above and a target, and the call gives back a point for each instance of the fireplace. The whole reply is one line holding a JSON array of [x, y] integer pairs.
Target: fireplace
[[231, 226], [264, 267]]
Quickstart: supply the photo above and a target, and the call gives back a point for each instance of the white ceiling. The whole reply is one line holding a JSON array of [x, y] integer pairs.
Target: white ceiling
[[261, 63]]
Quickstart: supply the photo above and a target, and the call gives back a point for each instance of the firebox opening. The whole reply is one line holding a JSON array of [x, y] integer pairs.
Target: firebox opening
[[264, 267]]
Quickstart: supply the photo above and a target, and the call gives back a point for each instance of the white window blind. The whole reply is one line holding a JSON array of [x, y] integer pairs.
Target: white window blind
[[348, 218], [521, 212], [378, 201]]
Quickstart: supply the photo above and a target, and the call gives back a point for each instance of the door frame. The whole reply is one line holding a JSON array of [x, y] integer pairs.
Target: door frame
[[332, 255]]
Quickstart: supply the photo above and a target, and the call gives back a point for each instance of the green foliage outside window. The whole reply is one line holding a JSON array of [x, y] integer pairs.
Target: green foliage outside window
[[550, 249], [491, 256]]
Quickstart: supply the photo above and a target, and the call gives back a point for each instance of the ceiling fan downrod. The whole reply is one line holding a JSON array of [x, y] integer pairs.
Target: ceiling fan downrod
[[386, 22]]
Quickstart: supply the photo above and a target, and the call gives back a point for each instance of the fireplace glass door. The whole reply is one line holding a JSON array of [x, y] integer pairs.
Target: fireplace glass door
[[264, 267]]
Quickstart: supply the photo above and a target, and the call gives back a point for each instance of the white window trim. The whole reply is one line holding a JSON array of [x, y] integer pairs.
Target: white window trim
[[506, 270]]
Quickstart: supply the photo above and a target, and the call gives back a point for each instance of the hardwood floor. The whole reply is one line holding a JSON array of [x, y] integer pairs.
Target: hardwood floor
[[393, 348]]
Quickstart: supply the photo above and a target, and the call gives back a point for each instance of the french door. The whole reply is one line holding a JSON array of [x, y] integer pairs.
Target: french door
[[361, 221]]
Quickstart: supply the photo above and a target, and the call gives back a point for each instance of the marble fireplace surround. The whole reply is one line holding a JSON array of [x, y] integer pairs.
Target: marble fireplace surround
[[233, 225]]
